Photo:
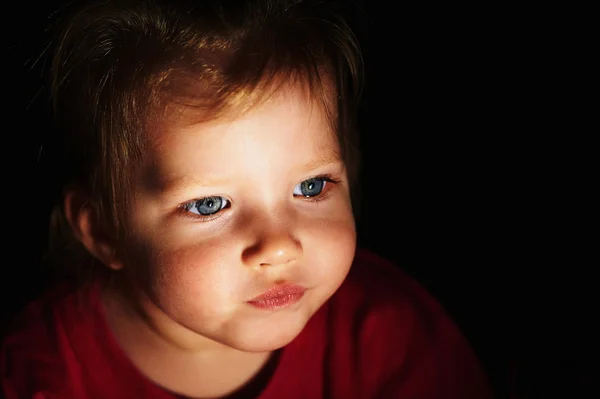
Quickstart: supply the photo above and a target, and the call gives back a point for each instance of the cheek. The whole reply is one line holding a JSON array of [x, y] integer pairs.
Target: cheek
[[196, 274], [332, 244]]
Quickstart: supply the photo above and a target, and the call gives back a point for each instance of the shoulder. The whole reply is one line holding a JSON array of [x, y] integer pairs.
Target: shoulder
[[404, 339], [385, 302], [34, 352], [380, 293]]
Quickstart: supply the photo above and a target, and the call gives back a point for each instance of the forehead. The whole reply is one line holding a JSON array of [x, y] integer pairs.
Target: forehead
[[289, 131], [193, 105]]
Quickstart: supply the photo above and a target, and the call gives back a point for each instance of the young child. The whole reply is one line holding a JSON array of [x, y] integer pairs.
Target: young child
[[208, 158]]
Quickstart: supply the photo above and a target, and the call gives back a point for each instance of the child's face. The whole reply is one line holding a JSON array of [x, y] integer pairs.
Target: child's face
[[204, 271]]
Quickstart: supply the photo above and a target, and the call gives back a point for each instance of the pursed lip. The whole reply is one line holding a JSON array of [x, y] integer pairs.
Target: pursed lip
[[278, 296]]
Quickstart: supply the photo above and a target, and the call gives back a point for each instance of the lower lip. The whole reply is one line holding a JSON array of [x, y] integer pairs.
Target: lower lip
[[277, 302]]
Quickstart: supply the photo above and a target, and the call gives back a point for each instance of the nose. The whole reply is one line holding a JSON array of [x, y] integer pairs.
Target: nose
[[272, 246]]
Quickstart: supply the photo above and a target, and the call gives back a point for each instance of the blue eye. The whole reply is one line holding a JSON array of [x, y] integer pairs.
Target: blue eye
[[206, 206], [310, 187]]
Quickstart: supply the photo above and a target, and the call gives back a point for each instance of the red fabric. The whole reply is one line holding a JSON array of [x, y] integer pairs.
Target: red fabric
[[380, 336]]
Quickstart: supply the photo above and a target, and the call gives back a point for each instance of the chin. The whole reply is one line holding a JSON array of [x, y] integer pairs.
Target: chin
[[265, 346], [267, 342]]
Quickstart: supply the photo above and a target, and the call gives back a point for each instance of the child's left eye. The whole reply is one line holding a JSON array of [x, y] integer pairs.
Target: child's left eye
[[311, 187]]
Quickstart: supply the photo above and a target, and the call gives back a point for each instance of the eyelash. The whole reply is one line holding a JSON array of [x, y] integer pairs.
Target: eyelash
[[183, 209], [323, 194]]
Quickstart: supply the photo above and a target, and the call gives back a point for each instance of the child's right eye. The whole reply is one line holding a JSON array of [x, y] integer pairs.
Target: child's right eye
[[207, 206]]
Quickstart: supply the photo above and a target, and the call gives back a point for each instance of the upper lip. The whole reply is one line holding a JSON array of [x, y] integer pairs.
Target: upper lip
[[279, 290]]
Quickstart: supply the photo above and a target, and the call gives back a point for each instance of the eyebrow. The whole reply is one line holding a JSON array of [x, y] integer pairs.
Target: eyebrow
[[168, 184], [180, 183], [177, 183], [322, 162]]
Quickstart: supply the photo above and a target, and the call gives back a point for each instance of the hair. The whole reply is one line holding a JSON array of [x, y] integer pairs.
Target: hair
[[121, 66]]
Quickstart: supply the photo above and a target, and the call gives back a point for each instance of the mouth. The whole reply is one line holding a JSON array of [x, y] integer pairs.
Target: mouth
[[279, 296]]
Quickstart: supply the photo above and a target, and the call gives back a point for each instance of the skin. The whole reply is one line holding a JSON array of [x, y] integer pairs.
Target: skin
[[190, 277]]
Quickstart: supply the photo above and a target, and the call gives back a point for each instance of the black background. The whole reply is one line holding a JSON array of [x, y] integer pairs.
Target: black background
[[470, 181]]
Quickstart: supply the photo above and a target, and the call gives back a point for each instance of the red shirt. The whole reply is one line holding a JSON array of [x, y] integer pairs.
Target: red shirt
[[379, 336]]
